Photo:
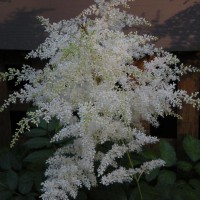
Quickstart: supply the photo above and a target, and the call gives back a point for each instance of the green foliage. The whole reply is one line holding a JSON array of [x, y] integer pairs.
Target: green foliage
[[192, 148], [197, 168], [114, 191], [152, 175], [184, 166], [22, 171], [167, 153], [37, 156], [179, 179], [38, 142], [166, 177], [22, 168]]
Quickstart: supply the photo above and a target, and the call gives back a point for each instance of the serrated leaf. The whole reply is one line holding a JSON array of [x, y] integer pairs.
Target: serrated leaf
[[36, 132], [26, 182], [177, 194], [195, 183], [197, 168], [5, 159], [148, 193], [191, 146], [43, 124], [164, 190], [12, 180], [35, 166], [39, 156], [189, 193], [53, 125], [36, 143], [134, 195], [3, 178], [167, 153], [27, 176], [152, 175], [32, 194], [184, 166], [25, 187], [38, 178], [166, 177], [16, 162], [149, 155]]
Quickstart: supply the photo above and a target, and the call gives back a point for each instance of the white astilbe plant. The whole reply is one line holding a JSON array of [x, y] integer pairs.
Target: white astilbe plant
[[93, 86]]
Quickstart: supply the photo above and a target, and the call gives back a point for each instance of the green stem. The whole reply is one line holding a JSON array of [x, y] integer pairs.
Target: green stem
[[138, 186], [135, 176]]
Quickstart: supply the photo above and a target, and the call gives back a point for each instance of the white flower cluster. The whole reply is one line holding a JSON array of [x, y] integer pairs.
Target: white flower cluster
[[93, 85]]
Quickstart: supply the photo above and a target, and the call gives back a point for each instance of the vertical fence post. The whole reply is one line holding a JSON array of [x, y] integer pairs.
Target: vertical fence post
[[189, 124]]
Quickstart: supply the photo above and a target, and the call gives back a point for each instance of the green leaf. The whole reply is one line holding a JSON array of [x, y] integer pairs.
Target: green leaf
[[35, 166], [3, 179], [134, 195], [53, 125], [148, 192], [26, 182], [38, 142], [189, 193], [167, 153], [5, 159], [166, 177], [164, 190], [5, 195], [25, 187], [191, 146], [16, 162], [36, 132], [43, 124], [184, 166], [12, 179], [38, 178], [27, 176], [152, 175], [32, 196], [195, 183], [149, 155], [39, 156], [197, 168], [177, 194], [113, 192]]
